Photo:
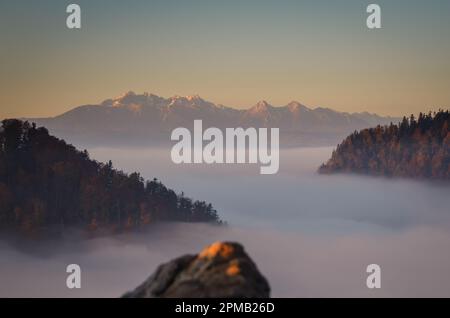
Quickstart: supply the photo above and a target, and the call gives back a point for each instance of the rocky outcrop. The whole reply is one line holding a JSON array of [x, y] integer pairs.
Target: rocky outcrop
[[222, 270]]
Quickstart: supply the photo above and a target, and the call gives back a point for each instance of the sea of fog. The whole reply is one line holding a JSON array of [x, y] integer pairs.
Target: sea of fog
[[311, 235]]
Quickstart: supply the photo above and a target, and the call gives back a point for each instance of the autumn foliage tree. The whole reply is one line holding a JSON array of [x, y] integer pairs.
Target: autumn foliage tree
[[46, 183], [415, 148]]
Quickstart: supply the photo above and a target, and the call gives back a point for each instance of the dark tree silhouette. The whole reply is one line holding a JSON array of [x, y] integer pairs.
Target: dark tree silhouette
[[416, 148], [45, 183]]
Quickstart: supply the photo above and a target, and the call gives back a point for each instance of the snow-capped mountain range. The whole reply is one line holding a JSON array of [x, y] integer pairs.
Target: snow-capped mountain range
[[146, 119]]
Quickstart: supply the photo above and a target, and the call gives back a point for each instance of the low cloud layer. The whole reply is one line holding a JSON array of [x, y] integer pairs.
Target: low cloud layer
[[414, 262], [310, 235]]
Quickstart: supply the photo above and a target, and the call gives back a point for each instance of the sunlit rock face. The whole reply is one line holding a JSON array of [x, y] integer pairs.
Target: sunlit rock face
[[221, 270]]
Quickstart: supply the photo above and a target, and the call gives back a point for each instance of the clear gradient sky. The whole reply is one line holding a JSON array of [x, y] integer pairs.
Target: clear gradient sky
[[233, 52]]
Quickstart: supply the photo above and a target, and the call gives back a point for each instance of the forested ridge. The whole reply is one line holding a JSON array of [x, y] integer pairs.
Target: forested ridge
[[47, 183], [414, 148]]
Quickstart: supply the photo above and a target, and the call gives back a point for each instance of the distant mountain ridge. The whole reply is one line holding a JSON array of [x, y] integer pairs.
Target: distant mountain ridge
[[147, 119]]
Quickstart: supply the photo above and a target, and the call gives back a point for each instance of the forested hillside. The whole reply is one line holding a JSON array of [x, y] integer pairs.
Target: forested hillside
[[46, 183], [416, 148]]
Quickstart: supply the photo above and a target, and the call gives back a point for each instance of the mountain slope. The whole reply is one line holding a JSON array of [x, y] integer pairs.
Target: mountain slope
[[45, 182], [148, 119], [414, 148]]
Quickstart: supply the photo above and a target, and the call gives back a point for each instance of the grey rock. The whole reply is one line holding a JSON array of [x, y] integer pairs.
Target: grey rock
[[222, 270]]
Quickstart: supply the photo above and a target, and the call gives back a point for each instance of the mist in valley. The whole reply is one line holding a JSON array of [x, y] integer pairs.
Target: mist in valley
[[309, 234]]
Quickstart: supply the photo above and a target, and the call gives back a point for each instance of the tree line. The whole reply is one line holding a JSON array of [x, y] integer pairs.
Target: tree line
[[47, 183], [415, 148]]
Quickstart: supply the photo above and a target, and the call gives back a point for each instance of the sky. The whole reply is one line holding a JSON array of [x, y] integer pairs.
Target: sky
[[234, 52]]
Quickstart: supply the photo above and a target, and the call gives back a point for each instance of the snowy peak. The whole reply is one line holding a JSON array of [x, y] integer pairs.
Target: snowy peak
[[190, 99], [134, 102], [194, 98], [295, 106], [190, 102], [262, 107]]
